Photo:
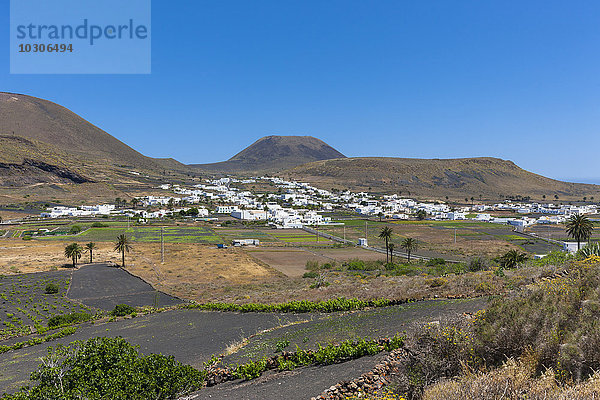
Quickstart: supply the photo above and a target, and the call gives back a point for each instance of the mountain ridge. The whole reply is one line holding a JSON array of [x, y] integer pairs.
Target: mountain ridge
[[456, 177]]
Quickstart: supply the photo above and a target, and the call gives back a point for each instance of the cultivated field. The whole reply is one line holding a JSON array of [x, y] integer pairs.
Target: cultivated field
[[25, 305], [456, 240], [292, 260], [171, 234]]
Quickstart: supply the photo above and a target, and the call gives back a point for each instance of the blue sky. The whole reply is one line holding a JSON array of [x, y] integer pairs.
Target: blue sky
[[436, 79]]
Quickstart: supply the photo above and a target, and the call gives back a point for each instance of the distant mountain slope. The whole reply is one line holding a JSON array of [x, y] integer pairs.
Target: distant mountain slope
[[272, 153], [457, 178], [47, 122]]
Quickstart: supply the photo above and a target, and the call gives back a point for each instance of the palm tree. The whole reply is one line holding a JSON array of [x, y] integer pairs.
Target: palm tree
[[122, 245], [90, 247], [579, 227], [73, 251], [386, 234], [512, 258], [391, 247], [409, 244]]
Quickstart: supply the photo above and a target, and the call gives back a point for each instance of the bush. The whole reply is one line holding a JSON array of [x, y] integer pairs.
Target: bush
[[476, 264], [435, 262], [51, 288], [109, 368], [67, 319], [75, 229], [436, 282], [99, 225], [310, 274], [558, 319], [312, 265], [122, 310]]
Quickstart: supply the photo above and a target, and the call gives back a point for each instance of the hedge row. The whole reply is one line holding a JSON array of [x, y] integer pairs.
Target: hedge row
[[304, 306]]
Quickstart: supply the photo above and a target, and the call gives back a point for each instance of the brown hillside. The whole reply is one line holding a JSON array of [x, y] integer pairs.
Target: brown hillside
[[47, 122], [456, 178]]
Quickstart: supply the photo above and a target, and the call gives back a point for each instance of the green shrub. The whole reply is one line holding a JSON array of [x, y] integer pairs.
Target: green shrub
[[51, 288], [75, 229], [110, 368], [99, 225], [435, 262], [122, 310], [67, 319], [310, 274]]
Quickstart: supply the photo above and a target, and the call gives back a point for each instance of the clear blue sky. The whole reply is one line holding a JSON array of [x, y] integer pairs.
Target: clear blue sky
[[518, 80]]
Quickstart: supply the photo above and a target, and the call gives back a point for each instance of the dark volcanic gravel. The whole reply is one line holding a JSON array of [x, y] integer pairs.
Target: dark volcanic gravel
[[103, 286]]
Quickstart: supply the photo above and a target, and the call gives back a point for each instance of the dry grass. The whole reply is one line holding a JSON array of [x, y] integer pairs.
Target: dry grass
[[192, 271], [514, 380], [205, 273]]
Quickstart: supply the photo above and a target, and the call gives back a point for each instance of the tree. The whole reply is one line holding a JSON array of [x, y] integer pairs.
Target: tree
[[512, 259], [386, 234], [391, 247], [421, 215], [580, 228], [544, 196], [380, 214], [90, 247], [73, 251], [409, 244], [122, 245]]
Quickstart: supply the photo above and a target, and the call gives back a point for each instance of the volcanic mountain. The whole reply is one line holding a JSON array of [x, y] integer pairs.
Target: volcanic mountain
[[274, 153], [36, 132], [461, 178]]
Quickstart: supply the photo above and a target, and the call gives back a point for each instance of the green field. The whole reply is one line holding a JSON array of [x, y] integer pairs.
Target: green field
[[172, 234], [234, 234]]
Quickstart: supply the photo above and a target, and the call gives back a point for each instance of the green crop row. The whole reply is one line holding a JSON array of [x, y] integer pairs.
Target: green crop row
[[31, 342], [324, 355], [304, 306]]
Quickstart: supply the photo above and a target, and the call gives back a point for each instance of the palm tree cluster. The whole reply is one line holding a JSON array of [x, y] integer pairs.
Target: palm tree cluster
[[74, 251], [409, 245], [386, 234]]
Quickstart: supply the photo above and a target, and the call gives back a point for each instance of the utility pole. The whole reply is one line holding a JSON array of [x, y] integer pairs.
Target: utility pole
[[366, 230], [344, 232], [317, 229], [162, 245], [454, 235]]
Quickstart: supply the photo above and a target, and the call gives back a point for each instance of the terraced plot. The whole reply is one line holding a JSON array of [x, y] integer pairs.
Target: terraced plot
[[24, 304]]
